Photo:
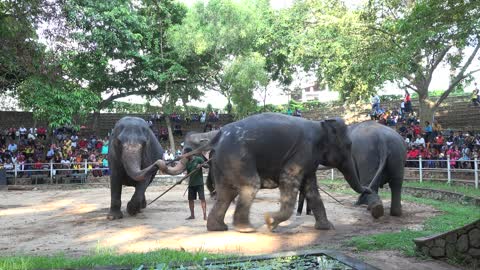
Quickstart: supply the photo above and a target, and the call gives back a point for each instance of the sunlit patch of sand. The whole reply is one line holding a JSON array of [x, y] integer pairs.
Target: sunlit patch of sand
[[52, 206]]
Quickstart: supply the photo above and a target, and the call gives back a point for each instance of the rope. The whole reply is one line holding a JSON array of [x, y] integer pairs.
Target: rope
[[179, 181], [330, 195]]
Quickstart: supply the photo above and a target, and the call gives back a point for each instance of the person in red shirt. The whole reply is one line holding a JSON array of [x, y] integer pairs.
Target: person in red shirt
[[408, 102], [83, 143]]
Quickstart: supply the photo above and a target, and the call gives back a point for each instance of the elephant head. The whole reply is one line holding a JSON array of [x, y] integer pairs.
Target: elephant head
[[134, 144], [335, 147]]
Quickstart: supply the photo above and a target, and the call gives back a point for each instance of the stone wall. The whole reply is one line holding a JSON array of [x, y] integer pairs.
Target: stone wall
[[463, 243]]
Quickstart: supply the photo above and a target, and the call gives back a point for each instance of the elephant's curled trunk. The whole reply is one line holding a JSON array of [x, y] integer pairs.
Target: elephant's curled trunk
[[132, 156]]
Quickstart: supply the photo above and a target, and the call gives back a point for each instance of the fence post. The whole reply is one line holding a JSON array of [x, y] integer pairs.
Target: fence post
[[86, 167], [51, 170], [475, 166], [333, 172], [448, 170], [15, 169], [420, 166]]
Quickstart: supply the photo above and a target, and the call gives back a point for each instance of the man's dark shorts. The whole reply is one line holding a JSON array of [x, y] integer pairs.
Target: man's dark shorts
[[192, 193]]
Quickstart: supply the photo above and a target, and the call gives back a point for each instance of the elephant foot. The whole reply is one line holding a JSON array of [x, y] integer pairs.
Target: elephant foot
[[376, 210], [245, 228], [324, 225], [216, 226], [144, 203], [114, 215], [132, 208], [270, 221], [396, 212]]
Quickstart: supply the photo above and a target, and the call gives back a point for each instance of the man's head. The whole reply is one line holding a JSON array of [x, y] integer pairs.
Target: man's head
[[187, 150]]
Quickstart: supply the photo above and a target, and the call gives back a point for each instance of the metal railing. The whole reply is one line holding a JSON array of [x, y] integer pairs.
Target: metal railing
[[51, 169], [426, 168]]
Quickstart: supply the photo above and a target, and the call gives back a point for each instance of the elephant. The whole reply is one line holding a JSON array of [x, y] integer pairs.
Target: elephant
[[379, 153], [272, 150], [134, 157]]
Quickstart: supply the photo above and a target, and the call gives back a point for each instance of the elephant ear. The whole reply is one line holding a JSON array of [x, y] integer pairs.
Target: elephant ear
[[337, 128]]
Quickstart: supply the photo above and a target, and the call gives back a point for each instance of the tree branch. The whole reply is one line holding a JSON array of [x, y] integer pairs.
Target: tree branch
[[436, 62], [460, 76]]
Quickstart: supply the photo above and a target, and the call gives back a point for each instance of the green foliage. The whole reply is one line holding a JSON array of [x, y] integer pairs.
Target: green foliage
[[102, 258], [223, 37], [57, 103], [21, 54]]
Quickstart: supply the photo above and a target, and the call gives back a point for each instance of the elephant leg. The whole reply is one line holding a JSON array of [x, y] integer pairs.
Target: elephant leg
[[396, 203], [318, 209], [116, 196], [288, 185], [216, 217], [134, 206], [241, 220]]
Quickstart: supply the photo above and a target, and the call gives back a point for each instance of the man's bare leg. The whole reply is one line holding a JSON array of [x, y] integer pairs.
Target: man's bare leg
[[204, 208], [191, 206]]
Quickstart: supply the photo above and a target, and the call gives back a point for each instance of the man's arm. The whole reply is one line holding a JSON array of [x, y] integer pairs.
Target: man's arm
[[177, 169]]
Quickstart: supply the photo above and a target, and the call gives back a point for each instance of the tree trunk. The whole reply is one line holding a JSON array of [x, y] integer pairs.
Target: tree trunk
[[426, 110], [95, 127], [170, 133]]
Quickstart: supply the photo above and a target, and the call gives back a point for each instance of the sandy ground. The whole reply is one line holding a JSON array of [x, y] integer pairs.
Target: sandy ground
[[74, 222]]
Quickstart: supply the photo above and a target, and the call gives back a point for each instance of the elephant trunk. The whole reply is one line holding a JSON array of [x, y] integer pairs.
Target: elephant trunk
[[132, 162]]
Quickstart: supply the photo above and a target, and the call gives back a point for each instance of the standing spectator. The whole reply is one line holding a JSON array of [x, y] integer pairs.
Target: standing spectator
[[408, 102], [402, 108], [375, 103], [475, 96], [203, 117], [437, 128], [428, 132]]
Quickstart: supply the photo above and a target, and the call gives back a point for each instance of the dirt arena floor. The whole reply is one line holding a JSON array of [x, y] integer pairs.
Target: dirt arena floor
[[73, 222]]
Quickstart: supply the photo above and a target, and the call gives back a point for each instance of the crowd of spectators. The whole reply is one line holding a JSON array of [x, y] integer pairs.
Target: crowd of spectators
[[436, 146], [31, 151]]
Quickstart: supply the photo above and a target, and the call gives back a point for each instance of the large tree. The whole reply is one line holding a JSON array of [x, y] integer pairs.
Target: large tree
[[222, 36], [414, 38]]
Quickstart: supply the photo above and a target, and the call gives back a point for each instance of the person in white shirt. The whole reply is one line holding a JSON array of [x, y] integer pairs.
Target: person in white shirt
[[419, 141]]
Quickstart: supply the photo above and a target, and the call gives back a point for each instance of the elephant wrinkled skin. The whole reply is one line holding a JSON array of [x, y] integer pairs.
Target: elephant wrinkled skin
[[274, 150], [134, 157], [379, 153]]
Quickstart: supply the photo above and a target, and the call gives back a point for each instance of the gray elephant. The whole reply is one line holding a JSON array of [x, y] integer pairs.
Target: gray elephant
[[379, 153], [269, 151], [134, 157]]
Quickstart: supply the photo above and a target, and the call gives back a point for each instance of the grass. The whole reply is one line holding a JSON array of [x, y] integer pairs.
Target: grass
[[469, 191], [454, 215], [101, 257]]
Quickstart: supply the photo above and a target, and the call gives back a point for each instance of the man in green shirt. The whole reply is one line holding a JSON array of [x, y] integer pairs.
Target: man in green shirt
[[195, 184]]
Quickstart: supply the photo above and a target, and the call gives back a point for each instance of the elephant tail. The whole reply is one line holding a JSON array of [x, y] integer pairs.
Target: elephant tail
[[383, 160]]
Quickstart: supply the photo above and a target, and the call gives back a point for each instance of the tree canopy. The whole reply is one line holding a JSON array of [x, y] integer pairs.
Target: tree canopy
[[100, 51]]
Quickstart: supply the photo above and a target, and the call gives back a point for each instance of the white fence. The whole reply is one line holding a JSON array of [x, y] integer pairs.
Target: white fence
[[443, 169]]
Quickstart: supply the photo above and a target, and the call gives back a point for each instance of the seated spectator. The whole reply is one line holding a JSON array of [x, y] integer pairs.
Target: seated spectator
[[12, 147], [42, 133], [438, 142], [297, 113], [163, 133], [23, 132], [454, 155], [177, 130], [419, 141]]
